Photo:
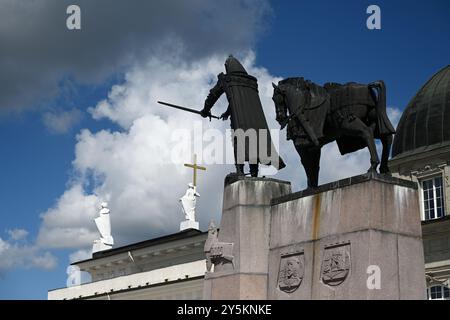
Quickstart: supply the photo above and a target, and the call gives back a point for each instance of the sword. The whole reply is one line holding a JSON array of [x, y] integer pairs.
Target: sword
[[185, 109]]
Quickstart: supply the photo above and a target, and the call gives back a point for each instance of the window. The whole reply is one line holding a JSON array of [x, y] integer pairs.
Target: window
[[433, 198], [438, 293]]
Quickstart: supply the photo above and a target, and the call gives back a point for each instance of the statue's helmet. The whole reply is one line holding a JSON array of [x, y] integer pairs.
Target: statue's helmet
[[190, 185], [232, 65], [104, 205]]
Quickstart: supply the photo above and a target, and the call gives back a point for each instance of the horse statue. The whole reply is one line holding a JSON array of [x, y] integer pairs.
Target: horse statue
[[352, 114]]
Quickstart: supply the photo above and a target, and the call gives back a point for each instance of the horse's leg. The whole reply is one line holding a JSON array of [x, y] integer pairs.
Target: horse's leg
[[386, 141], [357, 128], [310, 158]]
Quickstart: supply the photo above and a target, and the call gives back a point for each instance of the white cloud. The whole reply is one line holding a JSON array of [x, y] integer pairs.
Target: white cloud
[[17, 234], [80, 255], [3, 246], [63, 121], [46, 261], [394, 115], [132, 168], [69, 224], [38, 51], [13, 255], [334, 166]]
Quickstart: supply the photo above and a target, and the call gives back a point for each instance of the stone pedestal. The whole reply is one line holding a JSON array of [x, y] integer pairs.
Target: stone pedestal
[[189, 224], [338, 241], [245, 223], [100, 246]]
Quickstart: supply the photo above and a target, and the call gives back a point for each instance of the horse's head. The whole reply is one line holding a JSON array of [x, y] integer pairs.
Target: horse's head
[[280, 104], [289, 95]]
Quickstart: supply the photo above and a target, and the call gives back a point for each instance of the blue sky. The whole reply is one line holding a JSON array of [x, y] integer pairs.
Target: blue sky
[[320, 40]]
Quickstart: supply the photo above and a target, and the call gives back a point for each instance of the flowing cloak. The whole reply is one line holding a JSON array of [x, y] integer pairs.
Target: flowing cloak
[[188, 202], [246, 112], [104, 226]]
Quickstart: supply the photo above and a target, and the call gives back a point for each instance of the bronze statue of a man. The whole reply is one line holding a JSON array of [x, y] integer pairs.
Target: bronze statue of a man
[[246, 113]]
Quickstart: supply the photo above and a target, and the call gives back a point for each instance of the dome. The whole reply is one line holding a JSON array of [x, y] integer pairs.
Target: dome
[[425, 123]]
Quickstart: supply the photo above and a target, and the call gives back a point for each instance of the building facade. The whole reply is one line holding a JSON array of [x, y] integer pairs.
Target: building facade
[[169, 267], [421, 153]]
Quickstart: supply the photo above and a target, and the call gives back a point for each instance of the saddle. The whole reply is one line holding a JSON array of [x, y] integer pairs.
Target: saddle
[[351, 93]]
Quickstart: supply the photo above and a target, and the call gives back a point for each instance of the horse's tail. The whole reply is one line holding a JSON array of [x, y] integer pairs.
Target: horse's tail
[[384, 125], [380, 87]]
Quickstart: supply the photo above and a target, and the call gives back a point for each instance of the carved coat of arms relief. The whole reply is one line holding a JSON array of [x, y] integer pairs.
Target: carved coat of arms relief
[[336, 263], [291, 271]]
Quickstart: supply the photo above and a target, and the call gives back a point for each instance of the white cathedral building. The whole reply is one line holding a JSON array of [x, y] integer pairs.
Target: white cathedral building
[[169, 267], [173, 266]]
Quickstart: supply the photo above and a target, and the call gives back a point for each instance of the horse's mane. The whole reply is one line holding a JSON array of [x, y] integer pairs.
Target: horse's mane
[[294, 81]]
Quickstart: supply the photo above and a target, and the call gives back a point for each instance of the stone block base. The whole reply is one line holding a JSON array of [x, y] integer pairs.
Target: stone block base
[[188, 224], [357, 239], [245, 223], [236, 287]]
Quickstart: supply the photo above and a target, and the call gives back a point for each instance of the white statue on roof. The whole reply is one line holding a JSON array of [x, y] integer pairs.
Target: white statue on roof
[[188, 203], [103, 224]]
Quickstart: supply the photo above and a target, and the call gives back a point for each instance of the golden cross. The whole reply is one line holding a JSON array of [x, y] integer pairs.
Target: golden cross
[[195, 167]]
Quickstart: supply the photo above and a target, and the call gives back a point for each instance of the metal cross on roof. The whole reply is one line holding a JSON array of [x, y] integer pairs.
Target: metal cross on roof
[[195, 167]]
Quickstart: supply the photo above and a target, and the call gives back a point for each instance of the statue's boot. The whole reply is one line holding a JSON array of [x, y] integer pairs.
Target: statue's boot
[[254, 170], [373, 168], [240, 169]]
